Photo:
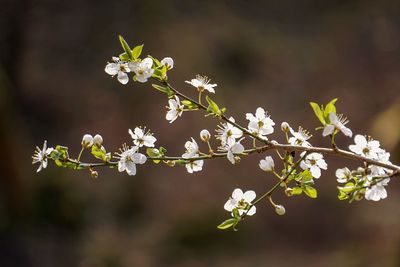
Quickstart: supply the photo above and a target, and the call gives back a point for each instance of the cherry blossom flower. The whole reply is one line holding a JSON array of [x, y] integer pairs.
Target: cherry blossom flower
[[314, 162], [300, 137], [337, 123], [194, 166], [128, 158], [267, 164], [260, 123], [141, 138], [169, 62], [343, 175], [143, 69], [377, 191], [119, 68], [192, 149], [233, 149], [202, 83], [228, 133], [367, 148], [242, 202], [175, 109], [40, 156]]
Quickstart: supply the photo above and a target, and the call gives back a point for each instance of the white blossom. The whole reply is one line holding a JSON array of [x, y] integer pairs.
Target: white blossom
[[367, 148], [128, 158], [314, 162], [233, 149], [267, 164], [119, 68], [299, 138], [242, 202], [143, 69], [40, 156], [337, 123], [377, 191], [202, 83], [192, 149], [142, 138], [175, 109], [169, 62], [194, 166], [343, 175], [260, 123], [228, 133]]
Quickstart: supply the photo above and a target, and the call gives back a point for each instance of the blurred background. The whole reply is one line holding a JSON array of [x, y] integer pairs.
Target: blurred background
[[275, 54]]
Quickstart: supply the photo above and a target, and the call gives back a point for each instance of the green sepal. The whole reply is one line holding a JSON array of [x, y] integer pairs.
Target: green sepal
[[310, 191], [154, 153], [126, 47], [160, 72], [101, 153], [229, 223]]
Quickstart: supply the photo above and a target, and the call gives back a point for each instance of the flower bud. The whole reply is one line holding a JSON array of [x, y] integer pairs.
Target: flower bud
[[280, 210], [97, 140], [285, 127], [267, 164], [289, 191], [87, 141], [94, 174], [205, 135], [169, 62]]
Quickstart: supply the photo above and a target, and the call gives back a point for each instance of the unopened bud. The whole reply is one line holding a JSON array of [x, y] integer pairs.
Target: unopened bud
[[267, 164], [169, 62], [87, 141], [285, 127], [97, 140], [280, 210], [94, 174], [205, 135]]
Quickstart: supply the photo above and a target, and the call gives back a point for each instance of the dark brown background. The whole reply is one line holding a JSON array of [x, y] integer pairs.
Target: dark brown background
[[276, 54]]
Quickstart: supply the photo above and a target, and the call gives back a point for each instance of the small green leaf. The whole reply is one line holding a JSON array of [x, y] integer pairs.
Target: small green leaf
[[164, 89], [213, 107], [100, 153], [330, 107], [310, 191], [136, 51], [318, 112], [232, 222], [297, 191], [160, 72], [126, 47], [189, 104]]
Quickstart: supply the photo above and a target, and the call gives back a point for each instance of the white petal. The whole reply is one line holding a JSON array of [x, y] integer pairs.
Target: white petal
[[139, 158], [147, 62], [231, 157], [230, 204], [315, 172], [333, 118], [360, 140], [328, 129], [346, 131], [149, 140], [130, 168], [111, 68], [121, 166], [251, 211], [237, 194], [123, 77], [249, 196]]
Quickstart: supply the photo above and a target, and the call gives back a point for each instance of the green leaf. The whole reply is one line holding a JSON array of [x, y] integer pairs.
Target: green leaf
[[297, 191], [310, 191], [330, 107], [126, 47], [305, 176], [160, 72], [232, 222], [164, 89], [100, 153], [213, 107], [153, 153], [136, 51], [189, 104], [124, 57], [318, 112]]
